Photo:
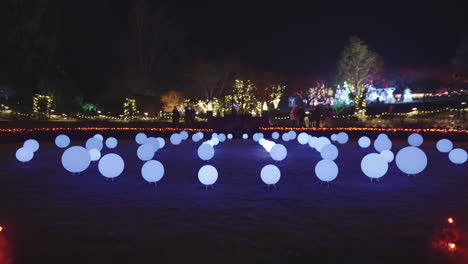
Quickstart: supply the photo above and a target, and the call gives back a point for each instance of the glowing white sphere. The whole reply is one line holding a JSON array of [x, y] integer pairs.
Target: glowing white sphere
[[215, 141], [207, 175], [268, 145], [329, 152], [411, 160], [201, 135], [326, 170], [209, 142], [261, 141], [364, 142], [152, 171], [334, 137], [196, 137], [444, 145], [154, 142], [222, 137], [257, 136], [285, 137], [245, 136], [31, 144], [292, 135], [229, 136], [313, 142], [76, 159], [342, 138], [175, 139], [94, 154], [111, 165], [111, 142], [275, 135], [161, 141], [95, 143], [382, 143], [62, 141], [278, 152], [214, 135], [321, 142], [145, 152], [458, 156], [24, 154], [205, 152], [374, 166], [99, 136], [415, 140], [184, 135], [387, 155], [141, 138], [303, 138], [270, 174], [382, 135]]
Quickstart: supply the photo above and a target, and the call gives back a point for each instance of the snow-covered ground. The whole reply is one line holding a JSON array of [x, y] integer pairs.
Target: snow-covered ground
[[50, 214]]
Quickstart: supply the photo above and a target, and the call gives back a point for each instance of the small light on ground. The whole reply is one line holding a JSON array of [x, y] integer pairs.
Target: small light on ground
[[450, 220], [452, 246]]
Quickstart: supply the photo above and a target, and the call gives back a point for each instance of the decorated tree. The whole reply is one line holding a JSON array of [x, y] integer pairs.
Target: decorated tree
[[320, 94], [357, 66], [244, 95]]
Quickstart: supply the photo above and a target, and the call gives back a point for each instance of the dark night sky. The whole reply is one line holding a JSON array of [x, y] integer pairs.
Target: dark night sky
[[307, 38]]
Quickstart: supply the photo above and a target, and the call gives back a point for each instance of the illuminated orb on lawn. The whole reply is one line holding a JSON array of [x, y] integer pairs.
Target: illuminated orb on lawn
[[364, 142], [94, 143], [278, 152], [292, 135], [152, 171], [321, 142], [444, 145], [268, 145], [261, 141], [270, 174], [303, 138], [245, 136], [229, 136], [387, 155], [184, 135], [111, 142], [313, 142], [329, 152], [141, 138], [24, 154], [162, 142], [196, 137], [222, 137], [285, 137], [99, 136], [175, 139], [326, 170], [333, 137], [411, 160], [257, 136], [458, 156], [111, 165], [382, 135], [215, 141], [342, 138], [205, 152], [374, 166], [145, 152], [275, 135], [62, 141], [154, 142], [214, 135], [94, 154], [31, 144], [207, 175], [382, 143], [201, 135], [76, 159], [415, 140]]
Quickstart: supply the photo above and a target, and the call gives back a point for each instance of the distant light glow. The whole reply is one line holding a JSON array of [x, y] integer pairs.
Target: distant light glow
[[275, 135], [245, 136], [229, 136], [452, 246], [450, 220]]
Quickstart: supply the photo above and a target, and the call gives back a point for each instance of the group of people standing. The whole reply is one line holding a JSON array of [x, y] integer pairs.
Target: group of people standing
[[298, 116], [189, 116]]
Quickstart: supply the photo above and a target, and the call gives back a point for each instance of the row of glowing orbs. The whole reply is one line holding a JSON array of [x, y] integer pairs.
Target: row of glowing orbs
[[208, 174]]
